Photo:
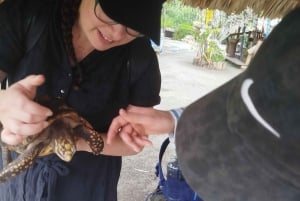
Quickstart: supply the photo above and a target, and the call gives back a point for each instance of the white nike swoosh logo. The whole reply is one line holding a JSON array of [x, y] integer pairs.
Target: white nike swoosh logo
[[251, 107]]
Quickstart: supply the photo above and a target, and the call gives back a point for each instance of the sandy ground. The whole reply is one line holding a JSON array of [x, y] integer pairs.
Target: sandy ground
[[182, 83]]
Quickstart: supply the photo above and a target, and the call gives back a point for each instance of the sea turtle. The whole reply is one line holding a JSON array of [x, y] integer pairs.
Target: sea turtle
[[65, 128]]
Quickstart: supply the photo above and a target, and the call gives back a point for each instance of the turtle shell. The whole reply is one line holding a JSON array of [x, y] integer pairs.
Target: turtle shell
[[66, 126]]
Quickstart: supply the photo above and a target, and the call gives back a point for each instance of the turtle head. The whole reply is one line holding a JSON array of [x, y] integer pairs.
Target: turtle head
[[65, 148], [62, 140]]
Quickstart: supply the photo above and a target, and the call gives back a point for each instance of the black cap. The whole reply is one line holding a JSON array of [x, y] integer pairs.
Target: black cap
[[143, 16], [242, 141]]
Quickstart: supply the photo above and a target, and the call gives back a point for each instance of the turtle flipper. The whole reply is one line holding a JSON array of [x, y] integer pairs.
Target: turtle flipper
[[95, 141], [19, 165], [92, 137]]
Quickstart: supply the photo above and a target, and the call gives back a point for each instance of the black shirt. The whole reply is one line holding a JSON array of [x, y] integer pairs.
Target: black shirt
[[31, 43]]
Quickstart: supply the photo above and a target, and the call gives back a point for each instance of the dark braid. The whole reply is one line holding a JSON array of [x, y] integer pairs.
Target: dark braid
[[69, 12]]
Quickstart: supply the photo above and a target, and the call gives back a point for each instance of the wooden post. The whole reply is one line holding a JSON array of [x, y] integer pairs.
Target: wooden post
[[242, 42]]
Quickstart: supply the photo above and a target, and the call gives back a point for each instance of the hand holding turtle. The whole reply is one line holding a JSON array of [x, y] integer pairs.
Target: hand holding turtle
[[19, 114], [66, 126]]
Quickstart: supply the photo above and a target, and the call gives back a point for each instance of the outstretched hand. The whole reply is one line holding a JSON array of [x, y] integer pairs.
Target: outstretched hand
[[19, 114], [136, 123]]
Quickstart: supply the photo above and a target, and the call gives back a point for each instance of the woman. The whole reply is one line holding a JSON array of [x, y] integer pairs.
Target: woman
[[90, 53]]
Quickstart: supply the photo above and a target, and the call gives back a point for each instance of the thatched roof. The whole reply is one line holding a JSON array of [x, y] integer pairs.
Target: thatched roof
[[264, 8]]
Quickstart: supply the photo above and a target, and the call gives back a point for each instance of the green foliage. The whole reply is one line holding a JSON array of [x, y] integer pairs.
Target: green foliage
[[183, 30], [180, 18], [214, 53], [201, 37], [208, 48], [169, 23], [177, 13]]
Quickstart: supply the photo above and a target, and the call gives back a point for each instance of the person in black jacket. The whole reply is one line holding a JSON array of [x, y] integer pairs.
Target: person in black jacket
[[96, 56]]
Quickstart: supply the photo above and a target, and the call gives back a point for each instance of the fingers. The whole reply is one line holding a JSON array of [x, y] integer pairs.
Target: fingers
[[15, 132], [136, 120], [117, 123], [30, 83], [31, 110], [23, 92], [24, 123], [25, 120], [25, 129], [11, 138], [19, 114], [131, 134], [133, 139], [127, 139]]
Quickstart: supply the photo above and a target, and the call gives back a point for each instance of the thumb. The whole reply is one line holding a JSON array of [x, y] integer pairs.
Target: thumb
[[114, 128], [30, 84], [32, 81]]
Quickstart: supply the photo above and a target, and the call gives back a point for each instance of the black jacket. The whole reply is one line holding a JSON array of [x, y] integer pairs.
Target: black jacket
[[31, 43]]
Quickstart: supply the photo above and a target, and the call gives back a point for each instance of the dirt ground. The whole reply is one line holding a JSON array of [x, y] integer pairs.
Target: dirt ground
[[182, 83]]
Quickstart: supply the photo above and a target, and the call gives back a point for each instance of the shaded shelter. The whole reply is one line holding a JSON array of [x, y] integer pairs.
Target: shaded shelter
[[263, 8]]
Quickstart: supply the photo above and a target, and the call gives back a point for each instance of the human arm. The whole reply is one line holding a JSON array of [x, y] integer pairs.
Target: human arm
[[21, 117], [117, 148], [144, 121]]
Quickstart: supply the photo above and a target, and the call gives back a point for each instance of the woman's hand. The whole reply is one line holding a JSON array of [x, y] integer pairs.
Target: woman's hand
[[132, 135], [19, 114], [136, 123]]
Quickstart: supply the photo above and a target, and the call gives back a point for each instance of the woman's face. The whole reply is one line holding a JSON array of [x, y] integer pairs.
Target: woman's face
[[101, 31]]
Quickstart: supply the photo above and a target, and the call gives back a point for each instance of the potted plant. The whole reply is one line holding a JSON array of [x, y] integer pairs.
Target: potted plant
[[209, 54]]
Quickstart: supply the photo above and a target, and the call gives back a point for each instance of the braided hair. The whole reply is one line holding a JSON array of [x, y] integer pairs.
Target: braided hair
[[69, 13]]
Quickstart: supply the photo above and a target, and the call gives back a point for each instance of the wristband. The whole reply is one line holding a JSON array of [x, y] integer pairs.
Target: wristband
[[176, 113]]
